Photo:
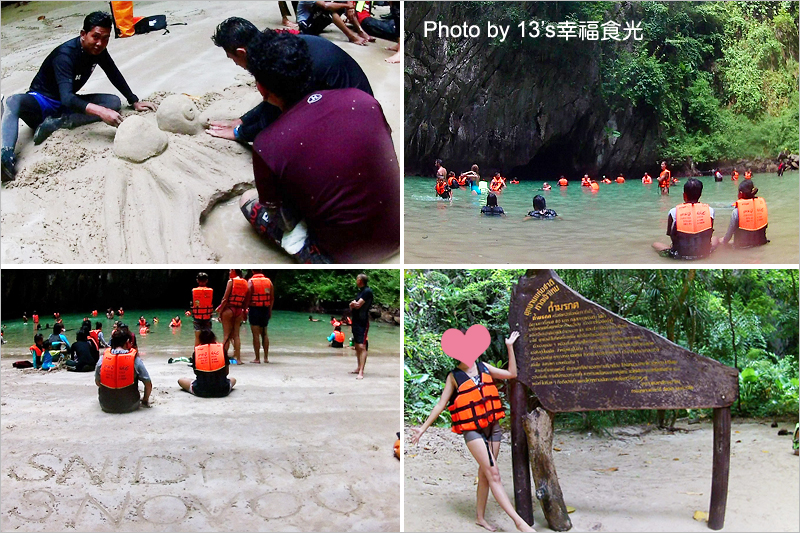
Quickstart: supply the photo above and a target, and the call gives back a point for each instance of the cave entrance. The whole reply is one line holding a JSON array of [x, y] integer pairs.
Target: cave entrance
[[561, 155]]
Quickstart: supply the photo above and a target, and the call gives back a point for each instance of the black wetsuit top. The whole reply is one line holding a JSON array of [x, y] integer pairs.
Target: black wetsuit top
[[331, 68], [67, 69], [492, 210], [547, 213]]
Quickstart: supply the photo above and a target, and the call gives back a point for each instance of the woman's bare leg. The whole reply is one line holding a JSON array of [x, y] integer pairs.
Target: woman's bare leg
[[478, 450], [237, 343], [483, 498], [186, 384], [226, 317]]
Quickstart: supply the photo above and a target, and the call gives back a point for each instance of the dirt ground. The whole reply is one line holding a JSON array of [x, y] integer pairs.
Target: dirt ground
[[75, 202], [299, 445], [654, 482]]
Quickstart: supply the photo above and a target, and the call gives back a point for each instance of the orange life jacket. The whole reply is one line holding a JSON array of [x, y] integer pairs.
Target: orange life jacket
[[238, 293], [94, 313], [123, 16], [142, 322], [174, 323], [338, 336], [647, 179], [117, 370], [39, 351], [753, 221], [515, 181], [209, 357], [462, 180], [595, 186], [665, 178], [201, 303], [143, 330], [262, 291], [452, 181], [734, 176], [335, 323], [474, 407], [496, 184], [95, 335], [563, 182], [439, 187], [748, 175], [693, 229], [35, 319], [620, 179]]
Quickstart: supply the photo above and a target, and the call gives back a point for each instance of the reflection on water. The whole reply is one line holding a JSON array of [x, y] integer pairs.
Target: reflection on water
[[615, 225], [289, 333]]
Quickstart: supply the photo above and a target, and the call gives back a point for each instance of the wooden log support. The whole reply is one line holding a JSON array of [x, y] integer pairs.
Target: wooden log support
[[539, 427], [721, 468], [519, 452]]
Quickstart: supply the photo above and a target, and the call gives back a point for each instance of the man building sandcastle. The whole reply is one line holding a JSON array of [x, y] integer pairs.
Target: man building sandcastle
[[51, 102], [326, 173]]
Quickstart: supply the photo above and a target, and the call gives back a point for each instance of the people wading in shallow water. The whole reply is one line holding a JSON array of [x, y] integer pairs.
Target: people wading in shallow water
[[466, 388]]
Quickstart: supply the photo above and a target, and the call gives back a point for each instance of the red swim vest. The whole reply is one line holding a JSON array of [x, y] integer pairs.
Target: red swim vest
[[262, 291], [117, 370], [202, 306], [209, 357]]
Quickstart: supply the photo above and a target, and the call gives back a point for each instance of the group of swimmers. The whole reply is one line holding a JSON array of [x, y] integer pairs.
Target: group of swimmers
[[321, 84]]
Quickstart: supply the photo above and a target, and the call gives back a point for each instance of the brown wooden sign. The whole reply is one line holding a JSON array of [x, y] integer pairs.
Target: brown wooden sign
[[577, 356]]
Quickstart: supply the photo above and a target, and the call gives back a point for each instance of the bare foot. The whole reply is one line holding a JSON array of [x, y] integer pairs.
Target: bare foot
[[394, 48], [523, 526], [358, 40], [394, 58], [354, 371], [360, 376], [256, 361], [367, 36], [484, 524], [289, 24]]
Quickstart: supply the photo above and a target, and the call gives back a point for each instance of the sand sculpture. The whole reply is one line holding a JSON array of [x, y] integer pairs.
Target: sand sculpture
[[138, 139], [178, 114]]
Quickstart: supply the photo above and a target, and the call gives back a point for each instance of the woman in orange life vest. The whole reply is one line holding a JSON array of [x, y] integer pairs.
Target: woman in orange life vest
[[585, 181], [748, 226], [497, 183], [664, 178], [176, 322], [232, 312], [562, 181], [646, 179], [734, 175], [748, 174], [142, 321], [479, 423], [210, 365], [336, 338]]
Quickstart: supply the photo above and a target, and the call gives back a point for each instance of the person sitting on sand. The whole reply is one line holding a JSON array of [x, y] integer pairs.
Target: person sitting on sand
[[540, 211], [690, 226], [97, 335], [749, 220], [259, 302], [443, 190], [382, 28], [51, 102], [117, 375], [37, 350], [491, 208], [211, 366], [465, 387], [58, 342], [314, 16], [83, 354], [331, 68], [321, 196], [336, 338]]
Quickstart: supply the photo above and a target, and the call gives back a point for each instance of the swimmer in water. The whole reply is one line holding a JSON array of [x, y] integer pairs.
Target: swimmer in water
[[540, 211], [491, 208], [546, 187], [443, 190]]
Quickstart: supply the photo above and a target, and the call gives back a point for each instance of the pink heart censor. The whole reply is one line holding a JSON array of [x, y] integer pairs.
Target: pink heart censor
[[466, 347]]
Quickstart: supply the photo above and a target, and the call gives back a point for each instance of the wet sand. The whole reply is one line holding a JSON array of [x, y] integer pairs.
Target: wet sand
[[660, 480], [75, 202], [299, 445]]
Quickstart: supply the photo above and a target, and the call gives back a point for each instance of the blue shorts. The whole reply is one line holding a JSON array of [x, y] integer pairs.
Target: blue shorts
[[50, 107]]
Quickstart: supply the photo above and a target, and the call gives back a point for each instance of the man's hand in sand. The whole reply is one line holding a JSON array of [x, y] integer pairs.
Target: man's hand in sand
[[416, 436], [141, 105], [109, 116], [223, 128]]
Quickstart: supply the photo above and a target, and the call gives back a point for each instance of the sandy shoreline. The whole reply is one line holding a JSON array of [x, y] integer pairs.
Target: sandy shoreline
[[75, 202], [660, 481], [298, 445]]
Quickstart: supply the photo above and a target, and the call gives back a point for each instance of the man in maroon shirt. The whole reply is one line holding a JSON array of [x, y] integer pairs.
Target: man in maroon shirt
[[326, 173]]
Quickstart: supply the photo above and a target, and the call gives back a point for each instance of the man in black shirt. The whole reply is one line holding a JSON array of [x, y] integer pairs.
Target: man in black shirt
[[331, 68], [84, 354], [359, 308], [52, 103]]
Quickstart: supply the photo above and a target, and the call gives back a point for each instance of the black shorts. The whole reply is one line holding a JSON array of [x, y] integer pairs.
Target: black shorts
[[218, 392], [259, 316], [360, 333], [201, 324]]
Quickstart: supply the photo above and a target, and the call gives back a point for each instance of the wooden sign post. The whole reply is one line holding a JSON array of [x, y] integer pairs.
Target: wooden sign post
[[574, 355]]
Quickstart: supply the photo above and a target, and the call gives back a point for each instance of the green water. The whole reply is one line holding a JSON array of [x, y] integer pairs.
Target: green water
[[289, 333], [615, 225]]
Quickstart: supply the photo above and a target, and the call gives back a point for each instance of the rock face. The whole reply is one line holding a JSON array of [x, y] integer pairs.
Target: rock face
[[532, 108], [138, 139], [178, 114]]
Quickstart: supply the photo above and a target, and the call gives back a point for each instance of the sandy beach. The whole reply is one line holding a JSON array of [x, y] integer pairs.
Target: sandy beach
[[75, 202], [652, 482], [299, 445]]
